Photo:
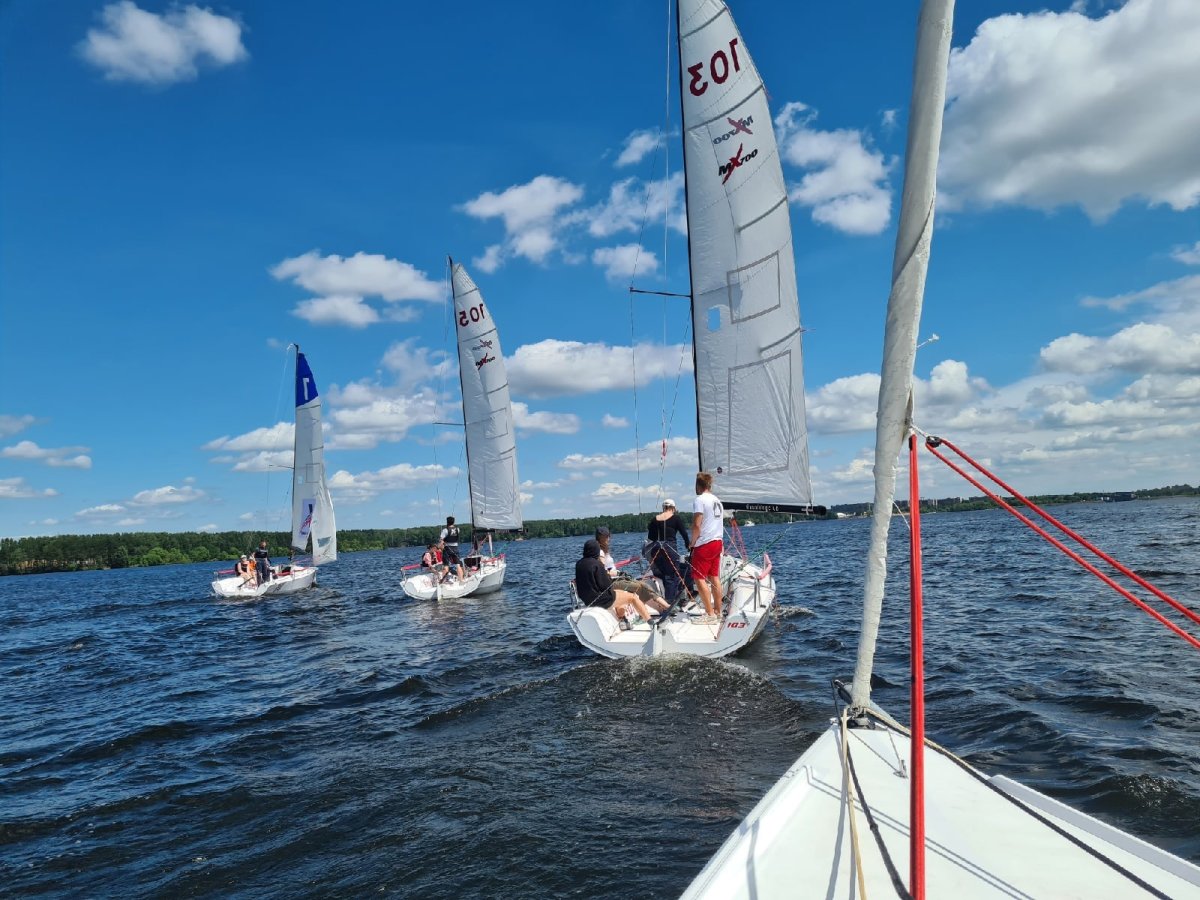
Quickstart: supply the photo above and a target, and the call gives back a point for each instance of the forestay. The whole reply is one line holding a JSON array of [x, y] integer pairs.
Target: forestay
[[312, 507], [746, 321], [487, 412]]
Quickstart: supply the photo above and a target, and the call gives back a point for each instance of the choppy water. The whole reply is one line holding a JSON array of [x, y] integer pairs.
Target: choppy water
[[155, 741]]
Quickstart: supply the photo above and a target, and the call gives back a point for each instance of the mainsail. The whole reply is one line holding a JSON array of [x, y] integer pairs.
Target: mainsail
[[487, 410], [312, 507], [745, 316]]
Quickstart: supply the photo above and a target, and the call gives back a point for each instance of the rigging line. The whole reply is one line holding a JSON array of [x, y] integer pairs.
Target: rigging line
[[854, 843], [1021, 805], [1140, 604], [278, 404], [897, 882], [637, 439]]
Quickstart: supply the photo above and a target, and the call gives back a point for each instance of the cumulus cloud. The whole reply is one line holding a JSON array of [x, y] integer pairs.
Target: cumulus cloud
[[611, 421], [10, 425], [1189, 256], [626, 261], [554, 368], [530, 213], [279, 436], [60, 457], [415, 365], [105, 509], [367, 485], [638, 144], [18, 489], [632, 203], [611, 490], [1050, 109], [361, 275], [846, 183], [265, 461], [339, 310], [843, 405], [1139, 348], [682, 453], [545, 422], [168, 495], [132, 44]]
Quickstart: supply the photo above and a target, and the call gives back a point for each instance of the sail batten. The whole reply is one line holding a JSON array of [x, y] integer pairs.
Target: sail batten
[[487, 410], [745, 315]]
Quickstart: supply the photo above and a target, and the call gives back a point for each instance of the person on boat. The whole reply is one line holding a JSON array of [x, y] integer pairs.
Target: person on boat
[[707, 533], [595, 587], [432, 560], [262, 562], [474, 561], [246, 569], [620, 580], [663, 551], [449, 538], [453, 564]]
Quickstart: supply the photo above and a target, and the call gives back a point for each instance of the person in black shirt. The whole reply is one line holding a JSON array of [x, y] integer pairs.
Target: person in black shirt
[[593, 584], [262, 562], [662, 550]]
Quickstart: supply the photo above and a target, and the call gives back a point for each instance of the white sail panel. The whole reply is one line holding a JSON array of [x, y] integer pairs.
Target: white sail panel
[[312, 507], [487, 411], [746, 319]]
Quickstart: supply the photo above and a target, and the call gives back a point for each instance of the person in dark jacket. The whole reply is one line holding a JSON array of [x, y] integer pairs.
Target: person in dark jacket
[[594, 585], [662, 550], [262, 562]]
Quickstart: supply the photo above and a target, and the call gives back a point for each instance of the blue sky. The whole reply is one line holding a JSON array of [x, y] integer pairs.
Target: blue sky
[[187, 189]]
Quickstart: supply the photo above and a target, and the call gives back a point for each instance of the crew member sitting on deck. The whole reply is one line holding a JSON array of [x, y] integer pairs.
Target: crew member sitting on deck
[[245, 568], [595, 587], [622, 581]]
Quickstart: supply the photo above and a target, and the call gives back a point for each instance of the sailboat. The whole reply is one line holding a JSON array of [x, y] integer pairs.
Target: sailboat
[[312, 507], [490, 442], [746, 331], [872, 808]]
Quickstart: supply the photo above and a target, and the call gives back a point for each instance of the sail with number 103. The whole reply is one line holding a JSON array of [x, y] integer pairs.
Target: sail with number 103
[[745, 314]]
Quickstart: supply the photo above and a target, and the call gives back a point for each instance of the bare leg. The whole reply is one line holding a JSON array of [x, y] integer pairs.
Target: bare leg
[[705, 595], [624, 597], [717, 593]]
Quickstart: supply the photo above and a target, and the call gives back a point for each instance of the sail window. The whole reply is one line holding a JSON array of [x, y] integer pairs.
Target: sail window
[[760, 396], [754, 288]]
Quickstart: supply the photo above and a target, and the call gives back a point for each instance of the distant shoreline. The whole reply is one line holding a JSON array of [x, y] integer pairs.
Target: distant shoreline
[[78, 553]]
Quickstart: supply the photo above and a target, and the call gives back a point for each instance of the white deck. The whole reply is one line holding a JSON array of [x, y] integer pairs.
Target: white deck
[[796, 842]]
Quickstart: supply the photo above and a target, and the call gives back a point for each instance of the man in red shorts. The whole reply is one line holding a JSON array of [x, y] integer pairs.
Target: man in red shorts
[[707, 530]]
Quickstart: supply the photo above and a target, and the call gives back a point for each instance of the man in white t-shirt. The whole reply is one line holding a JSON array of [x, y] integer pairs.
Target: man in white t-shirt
[[707, 530]]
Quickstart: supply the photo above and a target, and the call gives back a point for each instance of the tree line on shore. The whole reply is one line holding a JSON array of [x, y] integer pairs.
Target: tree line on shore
[[77, 552]]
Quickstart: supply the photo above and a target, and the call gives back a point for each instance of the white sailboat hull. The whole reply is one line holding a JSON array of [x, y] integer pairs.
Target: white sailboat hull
[[749, 591], [428, 587], [797, 841], [299, 578], [491, 575]]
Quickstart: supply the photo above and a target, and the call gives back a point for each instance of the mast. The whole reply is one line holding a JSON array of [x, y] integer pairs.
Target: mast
[[687, 215], [909, 267], [462, 396]]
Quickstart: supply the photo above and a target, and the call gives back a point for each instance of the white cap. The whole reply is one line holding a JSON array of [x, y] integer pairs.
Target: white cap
[[668, 502]]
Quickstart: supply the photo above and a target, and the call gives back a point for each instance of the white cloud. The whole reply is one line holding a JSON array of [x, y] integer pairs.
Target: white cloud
[[625, 261], [167, 495], [415, 365], [1189, 256], [1143, 347], [638, 144], [361, 275], [363, 413], [17, 489], [610, 490], [1051, 109], [10, 425], [105, 509], [682, 453], [887, 119], [366, 485], [552, 367], [59, 457], [846, 185], [530, 213], [265, 461], [546, 422], [279, 436], [130, 521], [135, 45], [611, 421], [846, 404], [207, 529], [339, 310], [492, 259], [631, 203]]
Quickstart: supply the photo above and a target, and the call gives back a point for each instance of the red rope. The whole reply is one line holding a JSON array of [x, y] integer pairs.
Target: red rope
[[916, 799], [930, 444]]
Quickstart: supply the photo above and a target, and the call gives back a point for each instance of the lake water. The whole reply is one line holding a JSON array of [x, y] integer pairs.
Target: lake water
[[349, 740]]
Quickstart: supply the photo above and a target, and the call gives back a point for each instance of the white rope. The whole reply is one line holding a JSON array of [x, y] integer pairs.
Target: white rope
[[854, 844]]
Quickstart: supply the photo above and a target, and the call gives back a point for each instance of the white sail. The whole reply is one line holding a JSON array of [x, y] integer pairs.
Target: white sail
[[909, 265], [312, 507], [746, 320], [487, 410]]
